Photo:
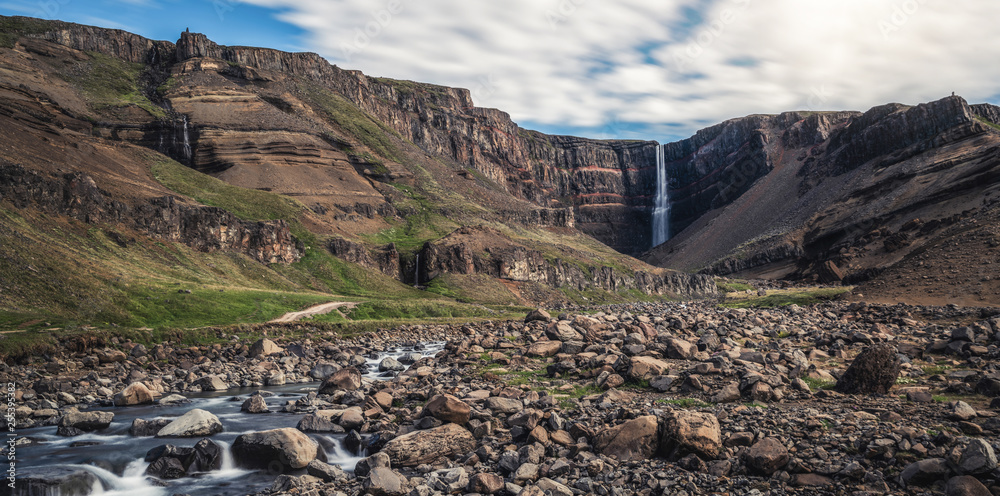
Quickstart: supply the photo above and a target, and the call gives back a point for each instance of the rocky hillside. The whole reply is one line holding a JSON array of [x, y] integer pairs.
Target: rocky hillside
[[837, 196], [342, 182]]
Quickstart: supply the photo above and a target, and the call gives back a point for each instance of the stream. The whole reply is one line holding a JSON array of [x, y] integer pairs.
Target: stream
[[116, 457]]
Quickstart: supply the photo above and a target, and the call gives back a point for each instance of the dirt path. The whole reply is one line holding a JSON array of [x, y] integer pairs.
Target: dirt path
[[320, 309]]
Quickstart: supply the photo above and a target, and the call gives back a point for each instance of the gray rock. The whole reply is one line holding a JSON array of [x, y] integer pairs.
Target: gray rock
[[390, 364], [324, 471], [56, 480], [977, 458], [925, 472], [452, 480], [76, 423], [255, 404], [275, 449], [147, 428], [384, 482], [194, 423]]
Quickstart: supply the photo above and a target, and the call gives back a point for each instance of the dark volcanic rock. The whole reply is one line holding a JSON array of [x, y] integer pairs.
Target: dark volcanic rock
[[874, 371]]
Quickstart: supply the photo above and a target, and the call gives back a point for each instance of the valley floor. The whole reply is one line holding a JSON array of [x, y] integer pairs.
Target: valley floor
[[646, 398]]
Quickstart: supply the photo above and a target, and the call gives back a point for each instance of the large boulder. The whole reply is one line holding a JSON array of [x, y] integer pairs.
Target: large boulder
[[543, 348], [537, 315], [448, 408], [562, 331], [264, 347], [194, 423], [925, 472], [687, 432], [646, 368], [766, 456], [874, 371], [212, 383], [318, 423], [418, 447], [255, 404], [345, 379], [384, 482], [135, 394], [76, 423], [975, 457], [637, 439], [276, 449], [55, 480]]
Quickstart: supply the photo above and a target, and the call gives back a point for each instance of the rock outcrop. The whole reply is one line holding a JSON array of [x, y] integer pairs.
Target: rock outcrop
[[207, 229]]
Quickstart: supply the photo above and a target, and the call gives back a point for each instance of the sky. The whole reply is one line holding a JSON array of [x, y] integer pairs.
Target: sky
[[629, 69]]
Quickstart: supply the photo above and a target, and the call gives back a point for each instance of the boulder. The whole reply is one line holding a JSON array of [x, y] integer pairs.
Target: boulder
[[975, 458], [418, 447], [276, 378], [925, 472], [277, 449], [966, 485], [173, 399], [646, 368], [135, 394], [874, 371], [318, 423], [390, 364], [255, 404], [635, 440], [194, 423], [264, 347], [766, 456], [679, 349], [324, 471], [212, 383], [485, 483], [690, 432], [562, 331], [449, 480], [56, 480], [384, 482], [448, 408], [543, 348], [962, 411], [504, 405], [144, 428], [76, 423], [345, 379], [537, 315]]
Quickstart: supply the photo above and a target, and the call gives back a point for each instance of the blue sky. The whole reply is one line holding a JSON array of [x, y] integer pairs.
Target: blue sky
[[634, 69]]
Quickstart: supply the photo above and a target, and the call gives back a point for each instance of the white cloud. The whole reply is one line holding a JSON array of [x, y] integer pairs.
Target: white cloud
[[589, 63]]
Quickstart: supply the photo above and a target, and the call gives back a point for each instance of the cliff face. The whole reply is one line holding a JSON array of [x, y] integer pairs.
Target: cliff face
[[848, 195], [207, 229]]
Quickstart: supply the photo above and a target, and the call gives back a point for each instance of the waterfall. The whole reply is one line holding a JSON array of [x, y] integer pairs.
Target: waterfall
[[416, 272], [661, 212], [132, 483], [186, 146]]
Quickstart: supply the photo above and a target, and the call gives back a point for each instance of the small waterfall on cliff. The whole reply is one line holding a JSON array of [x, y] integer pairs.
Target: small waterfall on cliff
[[186, 145], [661, 212], [416, 272]]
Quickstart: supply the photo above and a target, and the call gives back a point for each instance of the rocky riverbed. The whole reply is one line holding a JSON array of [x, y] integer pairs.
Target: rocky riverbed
[[638, 399]]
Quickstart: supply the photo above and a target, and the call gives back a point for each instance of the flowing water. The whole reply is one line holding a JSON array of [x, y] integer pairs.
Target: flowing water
[[186, 145], [116, 457], [661, 212]]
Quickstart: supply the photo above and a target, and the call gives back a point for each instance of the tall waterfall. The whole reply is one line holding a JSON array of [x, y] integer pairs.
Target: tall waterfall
[[661, 214], [186, 150]]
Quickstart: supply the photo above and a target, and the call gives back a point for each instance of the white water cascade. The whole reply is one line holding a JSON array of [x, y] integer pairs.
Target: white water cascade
[[416, 272], [186, 145], [661, 212]]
